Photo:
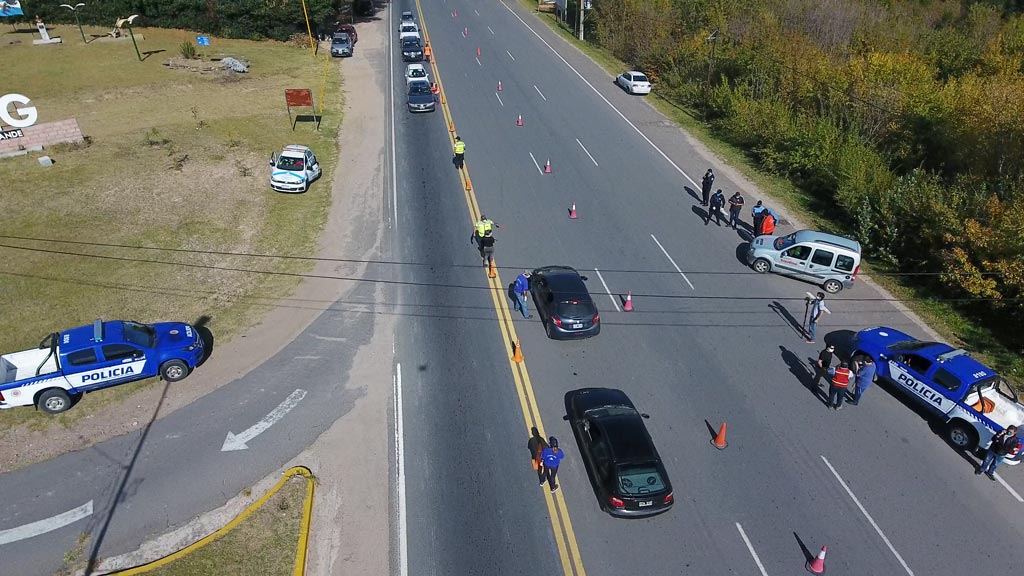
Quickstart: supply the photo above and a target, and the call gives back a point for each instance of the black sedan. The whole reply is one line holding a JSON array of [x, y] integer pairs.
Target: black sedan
[[564, 304], [624, 466], [412, 50]]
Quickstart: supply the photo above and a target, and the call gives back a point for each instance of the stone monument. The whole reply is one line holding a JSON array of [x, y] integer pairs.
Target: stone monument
[[44, 34]]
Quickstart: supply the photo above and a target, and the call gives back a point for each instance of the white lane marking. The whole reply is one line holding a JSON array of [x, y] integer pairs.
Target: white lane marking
[[403, 540], [478, 62], [489, 28], [510, 55], [587, 151], [1008, 488], [499, 99], [477, 13], [45, 525], [394, 152], [607, 291], [751, 548], [535, 163], [674, 265], [868, 516], [539, 92], [237, 441], [601, 96], [307, 357], [330, 338]]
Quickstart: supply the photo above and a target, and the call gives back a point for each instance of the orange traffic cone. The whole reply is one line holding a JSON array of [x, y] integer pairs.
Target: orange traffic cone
[[628, 306], [468, 185], [465, 31], [499, 85], [817, 566], [477, 51], [572, 212], [517, 355], [451, 126], [492, 272], [443, 101], [547, 167], [519, 121], [455, 12], [719, 440]]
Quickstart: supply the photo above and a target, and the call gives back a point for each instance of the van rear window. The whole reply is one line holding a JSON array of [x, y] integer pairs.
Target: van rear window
[[844, 263]]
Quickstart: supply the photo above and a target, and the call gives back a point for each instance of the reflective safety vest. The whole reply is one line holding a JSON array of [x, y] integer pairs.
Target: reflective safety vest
[[460, 147], [426, 51], [841, 379], [481, 228]]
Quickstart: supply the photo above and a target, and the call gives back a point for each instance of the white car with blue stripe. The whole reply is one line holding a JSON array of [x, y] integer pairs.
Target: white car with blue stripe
[[294, 169], [66, 365]]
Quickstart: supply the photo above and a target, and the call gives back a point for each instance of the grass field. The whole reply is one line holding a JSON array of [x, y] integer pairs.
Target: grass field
[[942, 317], [264, 544], [176, 160]]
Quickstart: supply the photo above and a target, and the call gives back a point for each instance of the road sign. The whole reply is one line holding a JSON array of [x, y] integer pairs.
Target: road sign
[[203, 40]]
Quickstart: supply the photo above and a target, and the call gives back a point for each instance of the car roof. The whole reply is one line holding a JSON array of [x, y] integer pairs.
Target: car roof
[[294, 151], [83, 336], [407, 13], [419, 82], [587, 398], [636, 72], [627, 437], [415, 66], [826, 238], [411, 39]]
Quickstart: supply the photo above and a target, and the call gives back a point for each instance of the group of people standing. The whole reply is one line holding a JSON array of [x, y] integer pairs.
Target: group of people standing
[[546, 456], [861, 372], [764, 218]]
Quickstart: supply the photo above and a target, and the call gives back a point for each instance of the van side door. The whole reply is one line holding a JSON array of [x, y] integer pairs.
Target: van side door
[[820, 266], [793, 260]]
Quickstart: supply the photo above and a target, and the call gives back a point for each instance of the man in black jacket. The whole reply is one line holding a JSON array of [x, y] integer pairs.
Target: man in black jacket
[[705, 187], [717, 201], [1003, 443]]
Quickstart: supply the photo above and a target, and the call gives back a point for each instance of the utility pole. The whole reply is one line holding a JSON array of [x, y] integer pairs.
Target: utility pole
[[713, 39]]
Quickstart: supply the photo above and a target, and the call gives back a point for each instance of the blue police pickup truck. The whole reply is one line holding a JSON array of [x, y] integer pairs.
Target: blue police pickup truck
[[968, 397], [68, 364]]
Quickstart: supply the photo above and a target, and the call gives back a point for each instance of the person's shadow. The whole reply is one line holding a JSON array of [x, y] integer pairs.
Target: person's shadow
[[803, 373]]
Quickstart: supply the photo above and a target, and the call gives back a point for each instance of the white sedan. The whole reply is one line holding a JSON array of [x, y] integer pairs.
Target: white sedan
[[416, 72], [634, 82]]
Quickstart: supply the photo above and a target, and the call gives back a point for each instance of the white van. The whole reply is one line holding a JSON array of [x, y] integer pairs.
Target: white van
[[828, 260]]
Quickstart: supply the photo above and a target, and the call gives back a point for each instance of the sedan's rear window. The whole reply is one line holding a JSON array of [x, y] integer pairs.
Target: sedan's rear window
[[639, 78], [579, 309], [640, 480]]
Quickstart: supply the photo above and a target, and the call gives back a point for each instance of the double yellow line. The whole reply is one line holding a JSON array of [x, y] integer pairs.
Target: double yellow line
[[565, 538]]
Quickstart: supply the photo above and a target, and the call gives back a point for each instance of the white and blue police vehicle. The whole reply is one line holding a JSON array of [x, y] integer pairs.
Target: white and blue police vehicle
[[971, 399], [67, 364], [294, 169]]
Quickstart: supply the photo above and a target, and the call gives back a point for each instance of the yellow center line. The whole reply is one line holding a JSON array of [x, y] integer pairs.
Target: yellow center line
[[558, 511]]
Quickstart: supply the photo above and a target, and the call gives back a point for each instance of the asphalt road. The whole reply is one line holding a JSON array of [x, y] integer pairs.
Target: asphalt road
[[715, 343]]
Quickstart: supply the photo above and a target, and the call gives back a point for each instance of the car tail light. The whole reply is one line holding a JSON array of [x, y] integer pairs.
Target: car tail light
[[617, 502], [597, 318], [557, 321], [668, 499], [1, 396], [855, 271]]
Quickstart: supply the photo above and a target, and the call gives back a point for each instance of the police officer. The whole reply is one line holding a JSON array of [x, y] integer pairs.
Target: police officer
[[735, 208], [757, 213], [840, 380], [486, 244], [705, 187], [427, 52], [716, 203], [460, 153], [483, 227]]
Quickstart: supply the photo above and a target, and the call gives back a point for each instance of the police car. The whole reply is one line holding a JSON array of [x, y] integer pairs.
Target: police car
[[971, 400], [67, 364], [294, 169]]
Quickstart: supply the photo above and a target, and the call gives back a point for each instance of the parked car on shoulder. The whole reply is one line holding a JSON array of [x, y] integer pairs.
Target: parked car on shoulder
[[351, 31], [341, 44], [634, 82], [294, 169], [829, 261]]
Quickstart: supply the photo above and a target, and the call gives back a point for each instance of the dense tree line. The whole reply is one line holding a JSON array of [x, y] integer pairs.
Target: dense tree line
[[902, 119], [253, 19]]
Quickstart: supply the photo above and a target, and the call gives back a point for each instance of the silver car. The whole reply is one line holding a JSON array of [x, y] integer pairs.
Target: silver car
[[828, 260]]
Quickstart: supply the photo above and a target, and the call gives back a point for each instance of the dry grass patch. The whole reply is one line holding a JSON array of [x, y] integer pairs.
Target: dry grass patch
[[176, 160]]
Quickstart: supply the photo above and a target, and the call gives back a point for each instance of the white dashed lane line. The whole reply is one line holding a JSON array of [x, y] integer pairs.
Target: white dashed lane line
[[607, 291], [587, 151]]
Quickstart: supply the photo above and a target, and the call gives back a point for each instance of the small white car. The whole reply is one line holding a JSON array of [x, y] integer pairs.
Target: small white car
[[294, 169], [408, 30], [407, 16], [416, 72], [634, 82]]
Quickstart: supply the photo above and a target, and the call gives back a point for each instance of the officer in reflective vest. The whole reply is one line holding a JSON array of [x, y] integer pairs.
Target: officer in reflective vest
[[840, 380], [460, 152], [426, 52], [483, 227]]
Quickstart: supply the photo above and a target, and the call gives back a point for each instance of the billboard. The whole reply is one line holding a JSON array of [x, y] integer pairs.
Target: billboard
[[10, 8]]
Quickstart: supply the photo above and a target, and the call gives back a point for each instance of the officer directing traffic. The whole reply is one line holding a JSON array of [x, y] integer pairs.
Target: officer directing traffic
[[460, 153]]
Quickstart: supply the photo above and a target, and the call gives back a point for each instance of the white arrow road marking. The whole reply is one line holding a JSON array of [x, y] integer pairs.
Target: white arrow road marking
[[47, 525], [237, 441]]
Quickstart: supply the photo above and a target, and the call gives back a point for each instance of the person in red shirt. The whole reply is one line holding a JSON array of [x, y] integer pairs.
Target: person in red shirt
[[840, 380]]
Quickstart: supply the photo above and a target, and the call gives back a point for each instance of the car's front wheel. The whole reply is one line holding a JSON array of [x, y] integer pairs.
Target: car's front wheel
[[174, 370], [762, 266]]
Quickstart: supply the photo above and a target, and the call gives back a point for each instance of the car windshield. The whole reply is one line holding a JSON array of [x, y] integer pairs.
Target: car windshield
[[341, 39], [909, 345], [409, 28], [639, 480], [419, 88], [639, 78], [785, 242], [291, 164], [417, 73], [607, 411], [142, 335], [410, 45]]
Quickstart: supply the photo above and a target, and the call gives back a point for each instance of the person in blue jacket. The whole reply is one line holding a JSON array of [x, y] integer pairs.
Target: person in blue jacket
[[522, 290], [550, 458]]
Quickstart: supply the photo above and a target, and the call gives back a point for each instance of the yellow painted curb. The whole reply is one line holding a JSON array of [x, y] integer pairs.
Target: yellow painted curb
[[300, 552]]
